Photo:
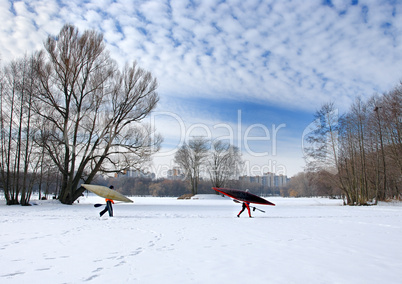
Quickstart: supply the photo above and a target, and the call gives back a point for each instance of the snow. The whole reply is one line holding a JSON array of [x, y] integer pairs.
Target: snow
[[166, 240]]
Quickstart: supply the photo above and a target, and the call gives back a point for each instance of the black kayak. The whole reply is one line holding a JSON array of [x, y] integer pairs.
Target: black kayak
[[243, 196]]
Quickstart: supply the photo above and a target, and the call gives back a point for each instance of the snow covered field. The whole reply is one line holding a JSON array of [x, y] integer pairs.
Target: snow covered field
[[165, 240]]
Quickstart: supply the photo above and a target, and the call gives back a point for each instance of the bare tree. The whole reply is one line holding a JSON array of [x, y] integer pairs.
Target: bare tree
[[388, 109], [93, 110], [322, 152], [224, 163], [8, 146], [190, 158], [18, 160]]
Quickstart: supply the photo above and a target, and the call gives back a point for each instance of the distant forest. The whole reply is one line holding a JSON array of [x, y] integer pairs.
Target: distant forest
[[175, 188], [310, 185]]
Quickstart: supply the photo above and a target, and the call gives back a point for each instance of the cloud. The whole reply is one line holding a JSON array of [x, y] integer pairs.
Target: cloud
[[272, 51]]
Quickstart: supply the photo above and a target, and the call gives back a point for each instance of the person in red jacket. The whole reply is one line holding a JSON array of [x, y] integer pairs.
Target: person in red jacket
[[244, 206], [108, 207]]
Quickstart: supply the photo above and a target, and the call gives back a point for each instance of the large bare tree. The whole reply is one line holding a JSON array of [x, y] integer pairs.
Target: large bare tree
[[93, 111]]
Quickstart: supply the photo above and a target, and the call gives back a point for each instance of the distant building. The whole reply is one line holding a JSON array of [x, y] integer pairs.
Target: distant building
[[175, 174], [268, 179], [136, 174]]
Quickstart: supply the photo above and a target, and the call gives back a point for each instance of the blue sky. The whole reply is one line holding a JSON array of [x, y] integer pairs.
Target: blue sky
[[240, 68]]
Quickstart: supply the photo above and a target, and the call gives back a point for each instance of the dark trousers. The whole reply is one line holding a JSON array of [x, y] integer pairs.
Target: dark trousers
[[107, 208]]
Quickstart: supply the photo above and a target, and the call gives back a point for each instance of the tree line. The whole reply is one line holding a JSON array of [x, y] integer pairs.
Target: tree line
[[69, 113], [162, 187], [357, 154]]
